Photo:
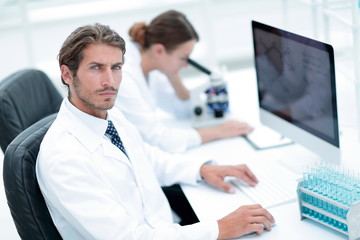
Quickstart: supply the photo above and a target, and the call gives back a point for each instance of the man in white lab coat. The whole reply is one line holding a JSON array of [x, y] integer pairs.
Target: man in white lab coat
[[97, 188]]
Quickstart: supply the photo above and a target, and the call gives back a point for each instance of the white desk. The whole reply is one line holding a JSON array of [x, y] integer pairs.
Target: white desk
[[210, 203]]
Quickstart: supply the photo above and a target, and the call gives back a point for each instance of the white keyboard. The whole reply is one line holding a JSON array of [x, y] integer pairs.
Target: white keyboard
[[275, 187]]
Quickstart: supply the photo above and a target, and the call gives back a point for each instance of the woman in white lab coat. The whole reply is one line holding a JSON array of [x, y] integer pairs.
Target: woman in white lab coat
[[156, 53]]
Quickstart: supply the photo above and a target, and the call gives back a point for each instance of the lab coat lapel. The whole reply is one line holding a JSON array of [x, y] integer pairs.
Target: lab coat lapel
[[134, 148], [91, 141], [112, 151]]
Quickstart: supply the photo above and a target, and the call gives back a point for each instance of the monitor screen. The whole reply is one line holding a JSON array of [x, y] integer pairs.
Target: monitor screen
[[296, 87]]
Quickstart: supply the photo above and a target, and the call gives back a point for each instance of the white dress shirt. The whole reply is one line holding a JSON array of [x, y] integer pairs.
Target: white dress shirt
[[93, 191], [138, 103]]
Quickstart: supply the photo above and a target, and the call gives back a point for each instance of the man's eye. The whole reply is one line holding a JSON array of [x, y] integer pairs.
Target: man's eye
[[117, 67], [95, 67]]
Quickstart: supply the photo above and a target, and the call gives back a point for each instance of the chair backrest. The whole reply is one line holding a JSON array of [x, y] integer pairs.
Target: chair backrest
[[25, 97], [26, 203]]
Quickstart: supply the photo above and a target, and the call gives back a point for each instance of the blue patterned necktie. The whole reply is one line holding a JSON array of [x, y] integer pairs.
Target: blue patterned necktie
[[115, 138]]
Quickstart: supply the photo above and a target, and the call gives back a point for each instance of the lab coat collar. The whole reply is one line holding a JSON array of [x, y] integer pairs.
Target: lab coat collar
[[88, 129]]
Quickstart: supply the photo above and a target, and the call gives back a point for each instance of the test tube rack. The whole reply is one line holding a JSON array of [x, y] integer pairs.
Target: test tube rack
[[330, 213]]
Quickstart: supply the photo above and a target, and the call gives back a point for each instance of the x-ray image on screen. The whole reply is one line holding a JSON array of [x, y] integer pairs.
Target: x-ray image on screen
[[294, 82]]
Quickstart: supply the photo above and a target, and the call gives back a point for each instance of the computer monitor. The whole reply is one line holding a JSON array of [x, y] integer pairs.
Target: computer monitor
[[296, 88]]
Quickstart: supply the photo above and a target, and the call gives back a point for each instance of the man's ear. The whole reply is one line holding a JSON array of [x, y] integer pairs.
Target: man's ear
[[66, 74]]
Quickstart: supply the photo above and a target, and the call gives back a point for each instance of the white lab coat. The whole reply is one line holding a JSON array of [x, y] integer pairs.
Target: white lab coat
[[166, 98], [137, 102], [93, 191]]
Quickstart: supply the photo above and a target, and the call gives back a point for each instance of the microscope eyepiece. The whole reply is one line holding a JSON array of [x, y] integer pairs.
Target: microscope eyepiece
[[199, 67]]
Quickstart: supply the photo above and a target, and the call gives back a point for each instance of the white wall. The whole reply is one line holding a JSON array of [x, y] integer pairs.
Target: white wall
[[223, 26]]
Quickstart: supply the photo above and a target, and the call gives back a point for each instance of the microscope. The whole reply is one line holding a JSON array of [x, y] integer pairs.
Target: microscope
[[209, 101]]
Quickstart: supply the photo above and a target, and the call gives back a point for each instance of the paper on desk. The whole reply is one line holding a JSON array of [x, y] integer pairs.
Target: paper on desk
[[263, 138]]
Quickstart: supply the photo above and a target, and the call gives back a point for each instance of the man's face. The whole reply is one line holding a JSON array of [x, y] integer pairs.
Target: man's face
[[95, 87]]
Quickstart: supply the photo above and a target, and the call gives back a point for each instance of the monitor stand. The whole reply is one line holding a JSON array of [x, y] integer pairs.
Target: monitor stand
[[264, 138], [299, 159]]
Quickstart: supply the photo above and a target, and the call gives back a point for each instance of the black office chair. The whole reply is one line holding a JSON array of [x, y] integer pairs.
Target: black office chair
[[25, 97], [26, 203]]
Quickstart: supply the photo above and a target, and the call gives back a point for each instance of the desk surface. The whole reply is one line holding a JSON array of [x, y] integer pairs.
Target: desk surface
[[210, 203]]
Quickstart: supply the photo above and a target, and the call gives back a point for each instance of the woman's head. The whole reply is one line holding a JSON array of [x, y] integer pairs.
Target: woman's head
[[167, 41], [170, 29]]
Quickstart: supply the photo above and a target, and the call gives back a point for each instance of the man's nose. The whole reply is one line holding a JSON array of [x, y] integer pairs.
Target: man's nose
[[108, 77]]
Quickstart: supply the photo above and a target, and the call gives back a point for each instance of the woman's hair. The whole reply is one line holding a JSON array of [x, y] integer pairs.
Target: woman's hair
[[170, 28], [71, 52]]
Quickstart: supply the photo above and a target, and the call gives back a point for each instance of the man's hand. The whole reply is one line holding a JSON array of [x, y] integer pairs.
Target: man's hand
[[215, 175], [244, 220]]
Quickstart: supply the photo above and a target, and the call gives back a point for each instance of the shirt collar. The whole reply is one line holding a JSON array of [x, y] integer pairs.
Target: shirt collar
[[97, 125]]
